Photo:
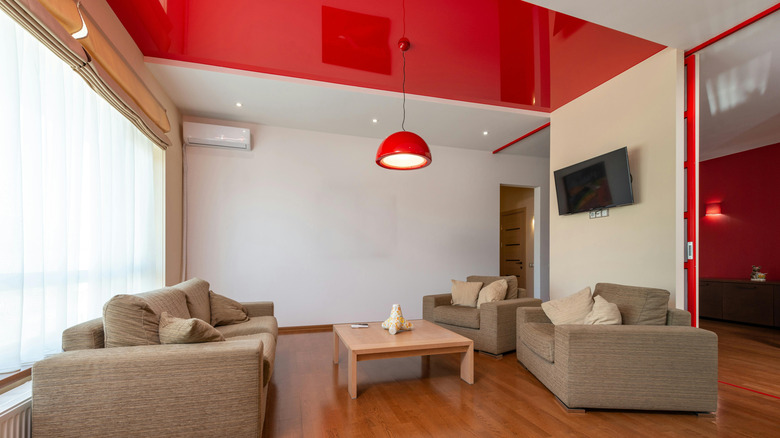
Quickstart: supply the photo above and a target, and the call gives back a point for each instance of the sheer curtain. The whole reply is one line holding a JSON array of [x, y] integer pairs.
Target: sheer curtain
[[79, 219]]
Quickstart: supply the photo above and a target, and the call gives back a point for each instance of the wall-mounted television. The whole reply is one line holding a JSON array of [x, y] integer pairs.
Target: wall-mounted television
[[601, 182]]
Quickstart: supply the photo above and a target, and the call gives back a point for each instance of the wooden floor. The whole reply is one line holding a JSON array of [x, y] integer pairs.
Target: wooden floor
[[421, 397]]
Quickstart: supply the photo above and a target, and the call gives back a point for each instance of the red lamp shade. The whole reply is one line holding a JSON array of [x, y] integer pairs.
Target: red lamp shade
[[403, 150], [712, 209]]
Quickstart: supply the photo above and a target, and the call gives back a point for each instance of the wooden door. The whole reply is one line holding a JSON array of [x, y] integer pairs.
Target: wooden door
[[512, 250]]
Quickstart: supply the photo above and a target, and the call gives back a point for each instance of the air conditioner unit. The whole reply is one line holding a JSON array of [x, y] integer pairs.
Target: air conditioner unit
[[216, 136]]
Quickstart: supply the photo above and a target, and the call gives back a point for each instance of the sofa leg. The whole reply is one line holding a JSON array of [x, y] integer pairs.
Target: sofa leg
[[567, 409], [494, 356]]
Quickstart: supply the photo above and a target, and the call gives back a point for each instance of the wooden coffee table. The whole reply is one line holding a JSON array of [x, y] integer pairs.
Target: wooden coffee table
[[375, 342]]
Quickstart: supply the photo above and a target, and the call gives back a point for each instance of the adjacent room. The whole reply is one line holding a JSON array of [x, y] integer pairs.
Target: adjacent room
[[407, 218]]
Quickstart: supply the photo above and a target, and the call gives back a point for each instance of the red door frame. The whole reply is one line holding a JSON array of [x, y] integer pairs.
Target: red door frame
[[692, 161], [691, 164]]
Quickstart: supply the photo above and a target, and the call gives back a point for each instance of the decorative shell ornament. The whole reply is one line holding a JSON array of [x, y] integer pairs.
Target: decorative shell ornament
[[396, 322]]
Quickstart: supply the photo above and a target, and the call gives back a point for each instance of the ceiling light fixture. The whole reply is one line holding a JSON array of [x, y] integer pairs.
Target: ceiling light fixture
[[374, 121], [239, 104], [484, 133], [403, 150]]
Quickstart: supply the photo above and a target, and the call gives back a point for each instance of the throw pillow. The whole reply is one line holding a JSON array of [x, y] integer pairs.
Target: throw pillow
[[225, 311], [128, 320], [603, 312], [495, 291], [570, 310], [186, 331], [465, 293]]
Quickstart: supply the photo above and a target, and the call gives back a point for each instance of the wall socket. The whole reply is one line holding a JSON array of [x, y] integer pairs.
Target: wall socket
[[595, 214]]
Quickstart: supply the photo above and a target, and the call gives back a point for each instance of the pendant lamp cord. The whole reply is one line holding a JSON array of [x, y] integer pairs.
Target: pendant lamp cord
[[403, 55]]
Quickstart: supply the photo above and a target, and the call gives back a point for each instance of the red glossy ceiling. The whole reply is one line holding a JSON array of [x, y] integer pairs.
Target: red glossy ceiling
[[498, 52]]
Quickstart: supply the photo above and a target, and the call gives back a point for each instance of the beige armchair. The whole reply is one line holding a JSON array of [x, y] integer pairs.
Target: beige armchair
[[491, 327], [671, 367]]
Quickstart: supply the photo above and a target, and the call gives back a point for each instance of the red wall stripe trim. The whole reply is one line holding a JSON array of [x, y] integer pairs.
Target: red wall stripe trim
[[748, 389], [521, 138], [734, 29]]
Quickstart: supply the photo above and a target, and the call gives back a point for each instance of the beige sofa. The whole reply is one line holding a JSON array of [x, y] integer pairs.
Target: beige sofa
[[669, 367], [491, 327], [184, 390]]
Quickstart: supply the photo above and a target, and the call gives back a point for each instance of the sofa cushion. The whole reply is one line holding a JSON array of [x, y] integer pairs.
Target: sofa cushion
[[85, 336], [638, 305], [603, 312], [255, 325], [168, 300], [457, 315], [570, 310], [198, 302], [269, 352], [465, 293], [225, 311], [495, 291], [186, 331], [511, 284], [539, 338]]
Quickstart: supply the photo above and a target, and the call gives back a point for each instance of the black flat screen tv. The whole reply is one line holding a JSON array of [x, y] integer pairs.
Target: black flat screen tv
[[601, 182]]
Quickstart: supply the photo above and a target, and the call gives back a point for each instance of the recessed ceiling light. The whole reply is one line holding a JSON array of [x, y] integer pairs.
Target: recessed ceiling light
[[374, 120], [484, 133], [239, 104]]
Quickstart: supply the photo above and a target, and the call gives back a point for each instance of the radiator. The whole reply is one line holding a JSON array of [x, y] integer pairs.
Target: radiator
[[16, 412]]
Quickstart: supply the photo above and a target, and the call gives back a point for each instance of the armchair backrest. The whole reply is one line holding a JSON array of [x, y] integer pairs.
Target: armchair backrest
[[511, 282], [637, 305]]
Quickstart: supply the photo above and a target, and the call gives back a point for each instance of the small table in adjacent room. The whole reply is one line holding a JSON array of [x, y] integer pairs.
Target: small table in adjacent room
[[375, 342]]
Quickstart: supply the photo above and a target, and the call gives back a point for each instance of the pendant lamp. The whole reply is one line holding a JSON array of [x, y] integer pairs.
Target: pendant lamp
[[403, 150]]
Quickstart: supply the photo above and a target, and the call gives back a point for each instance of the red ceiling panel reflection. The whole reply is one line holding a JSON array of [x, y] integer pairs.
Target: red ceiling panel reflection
[[498, 52]]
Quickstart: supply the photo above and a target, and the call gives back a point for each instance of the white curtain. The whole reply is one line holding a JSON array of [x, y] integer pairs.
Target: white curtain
[[79, 221]]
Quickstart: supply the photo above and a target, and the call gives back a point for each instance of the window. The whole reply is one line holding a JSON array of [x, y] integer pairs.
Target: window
[[81, 201]]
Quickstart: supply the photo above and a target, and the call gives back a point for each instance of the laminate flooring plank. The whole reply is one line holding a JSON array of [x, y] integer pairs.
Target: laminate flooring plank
[[425, 397]]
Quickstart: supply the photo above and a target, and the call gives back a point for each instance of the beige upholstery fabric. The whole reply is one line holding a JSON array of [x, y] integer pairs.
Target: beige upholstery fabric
[[457, 315], [678, 317], [209, 389], [168, 300], [496, 332], [603, 312], [512, 291], [570, 310], [129, 321], [259, 308], [540, 338], [269, 352], [256, 324], [198, 302], [495, 291], [623, 366], [225, 311], [186, 331], [638, 305], [84, 336], [465, 293]]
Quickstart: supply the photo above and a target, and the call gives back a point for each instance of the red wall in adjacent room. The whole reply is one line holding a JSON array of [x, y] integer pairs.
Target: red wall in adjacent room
[[747, 233]]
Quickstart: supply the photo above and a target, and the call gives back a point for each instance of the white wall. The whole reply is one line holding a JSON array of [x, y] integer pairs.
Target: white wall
[[309, 221], [637, 244]]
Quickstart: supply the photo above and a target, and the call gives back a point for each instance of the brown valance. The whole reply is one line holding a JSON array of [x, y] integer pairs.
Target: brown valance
[[94, 57]]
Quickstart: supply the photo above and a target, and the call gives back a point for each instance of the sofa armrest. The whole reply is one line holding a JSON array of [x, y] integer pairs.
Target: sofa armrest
[[680, 364], [678, 317], [431, 301], [531, 314], [211, 389], [260, 308]]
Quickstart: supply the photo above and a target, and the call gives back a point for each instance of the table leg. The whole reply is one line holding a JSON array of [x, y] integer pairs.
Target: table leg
[[335, 347], [352, 374], [467, 365]]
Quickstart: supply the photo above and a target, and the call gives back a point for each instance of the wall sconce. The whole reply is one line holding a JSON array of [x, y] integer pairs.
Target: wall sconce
[[712, 209]]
